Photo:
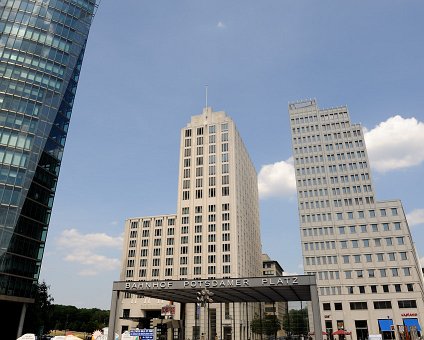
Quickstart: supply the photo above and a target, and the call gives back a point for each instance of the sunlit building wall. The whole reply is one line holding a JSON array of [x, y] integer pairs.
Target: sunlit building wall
[[215, 233], [360, 249]]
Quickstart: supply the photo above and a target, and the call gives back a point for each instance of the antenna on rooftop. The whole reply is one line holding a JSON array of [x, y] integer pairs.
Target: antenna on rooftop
[[206, 95]]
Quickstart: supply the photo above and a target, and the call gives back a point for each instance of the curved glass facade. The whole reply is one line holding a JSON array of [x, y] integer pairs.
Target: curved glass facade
[[41, 49]]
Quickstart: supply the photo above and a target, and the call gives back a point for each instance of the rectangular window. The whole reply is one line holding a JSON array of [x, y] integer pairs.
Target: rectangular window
[[407, 304], [358, 305], [382, 304]]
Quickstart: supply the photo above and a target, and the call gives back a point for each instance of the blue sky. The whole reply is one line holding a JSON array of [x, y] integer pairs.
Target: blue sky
[[143, 77]]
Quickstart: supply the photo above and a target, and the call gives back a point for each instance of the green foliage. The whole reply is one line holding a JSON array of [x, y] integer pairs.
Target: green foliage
[[296, 322], [43, 316], [38, 313], [268, 325], [79, 319]]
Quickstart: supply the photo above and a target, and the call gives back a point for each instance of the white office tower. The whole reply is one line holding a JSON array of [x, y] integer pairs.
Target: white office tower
[[215, 233], [360, 249]]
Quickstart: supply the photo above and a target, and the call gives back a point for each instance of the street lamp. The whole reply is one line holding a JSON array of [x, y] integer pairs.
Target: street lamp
[[204, 298]]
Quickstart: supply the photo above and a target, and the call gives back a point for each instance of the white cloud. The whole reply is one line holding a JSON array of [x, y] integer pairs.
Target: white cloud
[[221, 25], [71, 238], [396, 143], [415, 217], [277, 179], [85, 250], [290, 274]]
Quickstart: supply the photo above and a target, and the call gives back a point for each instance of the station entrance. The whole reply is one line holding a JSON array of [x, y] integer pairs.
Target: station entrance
[[240, 291]]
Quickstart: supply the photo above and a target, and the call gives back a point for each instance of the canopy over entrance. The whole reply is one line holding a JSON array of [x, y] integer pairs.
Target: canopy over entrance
[[258, 289], [251, 289]]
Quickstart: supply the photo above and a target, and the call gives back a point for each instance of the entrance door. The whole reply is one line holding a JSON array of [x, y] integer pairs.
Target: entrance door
[[227, 333], [361, 329]]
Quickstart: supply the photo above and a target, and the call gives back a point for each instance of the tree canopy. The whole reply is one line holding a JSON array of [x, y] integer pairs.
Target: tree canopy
[[296, 322], [43, 316], [268, 325]]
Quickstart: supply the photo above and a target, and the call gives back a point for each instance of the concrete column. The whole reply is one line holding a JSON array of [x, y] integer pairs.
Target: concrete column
[[112, 315], [316, 314], [21, 320]]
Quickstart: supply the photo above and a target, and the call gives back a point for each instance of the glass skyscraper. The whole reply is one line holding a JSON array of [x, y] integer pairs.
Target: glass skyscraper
[[42, 44]]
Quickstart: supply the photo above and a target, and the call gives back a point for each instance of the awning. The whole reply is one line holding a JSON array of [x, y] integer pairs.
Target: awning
[[412, 322], [385, 325]]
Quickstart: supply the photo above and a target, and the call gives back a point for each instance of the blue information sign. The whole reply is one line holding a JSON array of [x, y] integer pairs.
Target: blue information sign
[[143, 334]]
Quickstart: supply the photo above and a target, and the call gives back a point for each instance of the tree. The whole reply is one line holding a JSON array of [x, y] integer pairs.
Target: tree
[[296, 322], [268, 325], [38, 314]]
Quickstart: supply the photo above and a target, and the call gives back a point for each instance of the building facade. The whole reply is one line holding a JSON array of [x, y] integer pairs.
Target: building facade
[[41, 50], [360, 249], [214, 234], [279, 309]]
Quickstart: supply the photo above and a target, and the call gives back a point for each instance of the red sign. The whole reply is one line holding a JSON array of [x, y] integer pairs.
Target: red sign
[[168, 310], [409, 314]]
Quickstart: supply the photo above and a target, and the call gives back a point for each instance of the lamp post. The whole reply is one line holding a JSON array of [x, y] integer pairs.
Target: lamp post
[[204, 297]]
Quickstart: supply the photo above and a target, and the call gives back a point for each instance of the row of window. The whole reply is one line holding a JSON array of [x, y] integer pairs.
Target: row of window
[[157, 223], [377, 305], [305, 129], [304, 119], [155, 272], [359, 274], [372, 289], [199, 209], [211, 139], [169, 261], [211, 129], [197, 249], [199, 181], [347, 244], [357, 258], [374, 227], [310, 139], [199, 160], [327, 216], [332, 147], [211, 172], [198, 193]]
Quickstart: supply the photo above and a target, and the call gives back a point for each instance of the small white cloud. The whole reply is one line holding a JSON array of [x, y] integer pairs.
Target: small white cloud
[[84, 249], [71, 238], [290, 274], [396, 143], [221, 25], [277, 179], [89, 258], [415, 217]]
